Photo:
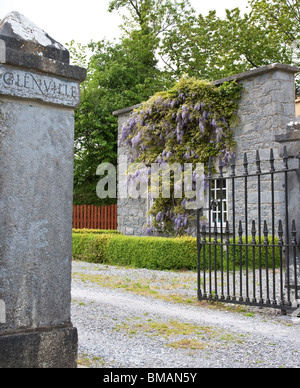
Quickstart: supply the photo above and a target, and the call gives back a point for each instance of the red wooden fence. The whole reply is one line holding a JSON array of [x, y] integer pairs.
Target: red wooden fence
[[95, 217]]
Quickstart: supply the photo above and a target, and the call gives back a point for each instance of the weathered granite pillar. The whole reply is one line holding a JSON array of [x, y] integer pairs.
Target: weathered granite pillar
[[38, 93]]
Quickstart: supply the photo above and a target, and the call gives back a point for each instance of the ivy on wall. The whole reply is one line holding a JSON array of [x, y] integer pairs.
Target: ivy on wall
[[186, 124]]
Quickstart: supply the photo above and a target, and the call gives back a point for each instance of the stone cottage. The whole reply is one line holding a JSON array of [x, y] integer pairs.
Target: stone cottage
[[266, 107]]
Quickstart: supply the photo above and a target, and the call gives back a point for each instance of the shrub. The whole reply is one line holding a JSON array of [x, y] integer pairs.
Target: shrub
[[258, 256], [162, 253], [90, 247], [153, 252]]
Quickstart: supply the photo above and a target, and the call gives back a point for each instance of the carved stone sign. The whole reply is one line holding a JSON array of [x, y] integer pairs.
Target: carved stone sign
[[28, 84]]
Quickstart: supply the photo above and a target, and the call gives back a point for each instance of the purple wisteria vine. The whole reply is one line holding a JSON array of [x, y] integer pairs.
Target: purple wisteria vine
[[187, 124]]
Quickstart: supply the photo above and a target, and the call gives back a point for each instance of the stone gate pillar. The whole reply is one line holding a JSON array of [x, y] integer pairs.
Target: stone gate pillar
[[38, 93], [291, 140]]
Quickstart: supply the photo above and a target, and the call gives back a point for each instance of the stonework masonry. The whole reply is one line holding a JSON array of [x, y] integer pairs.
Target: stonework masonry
[[291, 139], [266, 107], [132, 213]]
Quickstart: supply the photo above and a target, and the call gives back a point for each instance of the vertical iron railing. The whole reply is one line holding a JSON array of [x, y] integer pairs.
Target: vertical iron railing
[[245, 259]]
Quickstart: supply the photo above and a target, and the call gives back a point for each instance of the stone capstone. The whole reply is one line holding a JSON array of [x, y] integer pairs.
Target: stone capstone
[[23, 44]]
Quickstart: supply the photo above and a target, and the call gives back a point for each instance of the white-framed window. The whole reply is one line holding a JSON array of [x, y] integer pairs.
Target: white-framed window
[[219, 212]]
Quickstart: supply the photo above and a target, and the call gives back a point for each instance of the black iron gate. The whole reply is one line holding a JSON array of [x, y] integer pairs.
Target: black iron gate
[[247, 239]]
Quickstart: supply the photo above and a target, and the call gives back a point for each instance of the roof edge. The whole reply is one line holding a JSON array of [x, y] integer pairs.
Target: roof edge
[[258, 71]]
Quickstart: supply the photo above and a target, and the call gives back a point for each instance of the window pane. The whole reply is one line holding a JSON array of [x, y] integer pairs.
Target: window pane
[[218, 193]]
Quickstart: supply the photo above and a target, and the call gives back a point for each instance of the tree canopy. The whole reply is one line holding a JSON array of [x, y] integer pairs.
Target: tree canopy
[[161, 42], [119, 75]]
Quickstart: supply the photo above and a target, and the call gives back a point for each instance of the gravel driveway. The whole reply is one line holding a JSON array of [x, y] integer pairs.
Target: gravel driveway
[[138, 318]]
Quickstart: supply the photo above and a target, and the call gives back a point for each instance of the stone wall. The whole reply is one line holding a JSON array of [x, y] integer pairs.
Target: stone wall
[[291, 139], [267, 105], [132, 213]]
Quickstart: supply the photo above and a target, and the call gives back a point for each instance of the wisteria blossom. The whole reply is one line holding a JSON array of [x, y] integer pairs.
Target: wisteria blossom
[[187, 124]]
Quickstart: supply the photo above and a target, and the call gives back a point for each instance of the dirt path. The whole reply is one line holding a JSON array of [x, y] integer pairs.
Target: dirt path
[[142, 318]]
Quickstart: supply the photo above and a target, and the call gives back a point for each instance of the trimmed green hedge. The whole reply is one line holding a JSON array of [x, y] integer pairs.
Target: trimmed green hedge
[[153, 252], [259, 255], [158, 252]]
